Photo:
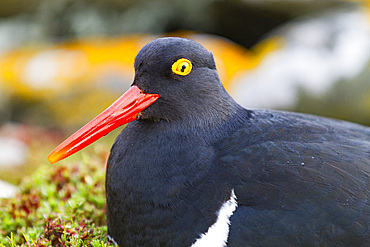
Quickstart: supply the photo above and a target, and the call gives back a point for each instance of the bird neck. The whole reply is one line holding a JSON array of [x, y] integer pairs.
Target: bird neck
[[201, 114], [210, 125]]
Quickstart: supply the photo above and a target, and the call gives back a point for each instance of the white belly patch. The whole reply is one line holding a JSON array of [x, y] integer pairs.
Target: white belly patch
[[218, 233]]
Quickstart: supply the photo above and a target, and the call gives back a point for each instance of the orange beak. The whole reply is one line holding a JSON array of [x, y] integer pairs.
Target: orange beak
[[122, 111]]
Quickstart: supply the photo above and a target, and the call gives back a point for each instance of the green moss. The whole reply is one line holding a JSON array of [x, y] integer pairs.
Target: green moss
[[59, 205]]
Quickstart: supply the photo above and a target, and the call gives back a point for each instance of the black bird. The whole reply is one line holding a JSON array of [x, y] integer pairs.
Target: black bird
[[197, 169]]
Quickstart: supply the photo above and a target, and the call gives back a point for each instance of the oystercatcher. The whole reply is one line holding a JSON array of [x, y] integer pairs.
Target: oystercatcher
[[197, 169]]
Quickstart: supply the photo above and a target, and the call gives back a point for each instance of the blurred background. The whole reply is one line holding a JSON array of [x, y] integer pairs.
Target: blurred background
[[63, 61]]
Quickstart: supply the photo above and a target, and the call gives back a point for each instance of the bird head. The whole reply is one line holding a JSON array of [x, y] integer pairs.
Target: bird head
[[175, 81]]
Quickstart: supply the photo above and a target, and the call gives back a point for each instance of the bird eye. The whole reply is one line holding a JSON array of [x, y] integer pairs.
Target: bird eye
[[182, 67]]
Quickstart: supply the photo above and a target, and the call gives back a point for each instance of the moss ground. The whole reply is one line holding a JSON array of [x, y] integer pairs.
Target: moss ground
[[59, 205]]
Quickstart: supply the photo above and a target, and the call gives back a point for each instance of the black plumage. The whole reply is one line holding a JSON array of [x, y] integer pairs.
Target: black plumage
[[300, 180]]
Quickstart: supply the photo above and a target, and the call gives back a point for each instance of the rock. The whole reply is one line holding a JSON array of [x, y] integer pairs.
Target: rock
[[7, 190]]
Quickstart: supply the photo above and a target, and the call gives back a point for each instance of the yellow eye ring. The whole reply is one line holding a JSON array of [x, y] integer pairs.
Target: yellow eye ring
[[182, 67]]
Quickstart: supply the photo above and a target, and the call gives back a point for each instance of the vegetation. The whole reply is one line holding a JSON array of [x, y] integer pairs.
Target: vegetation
[[59, 205]]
